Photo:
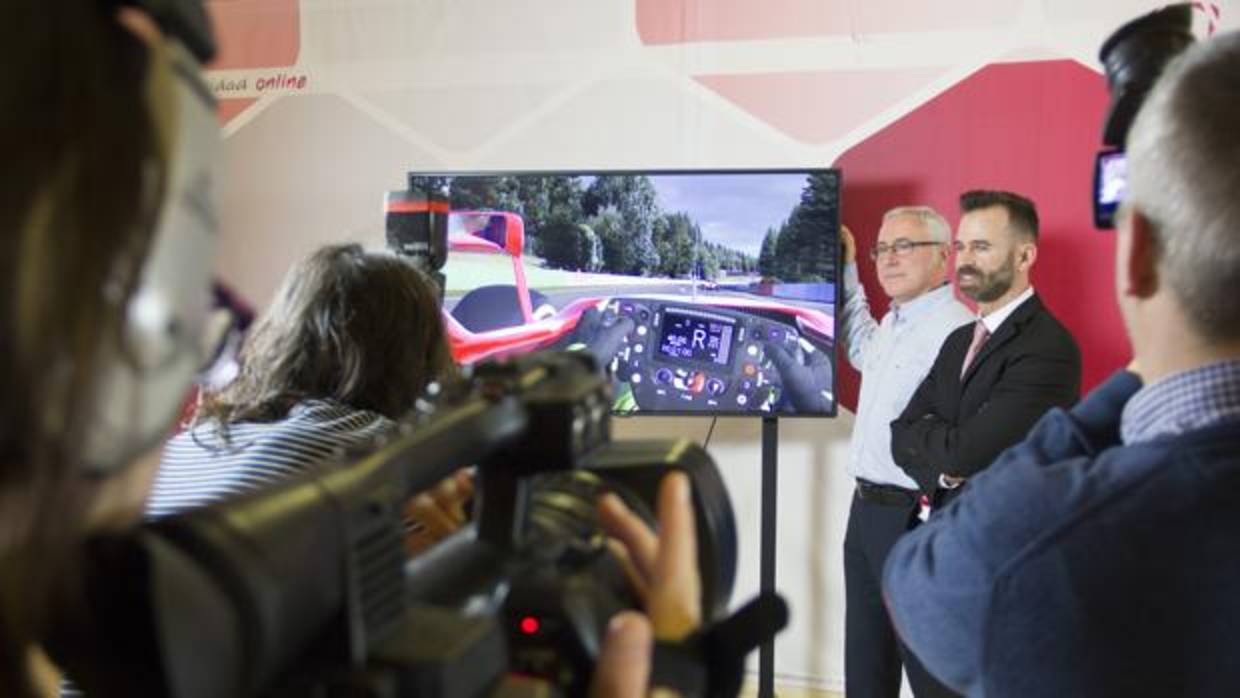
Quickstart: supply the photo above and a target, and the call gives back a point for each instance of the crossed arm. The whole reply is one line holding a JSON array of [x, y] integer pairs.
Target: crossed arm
[[926, 445]]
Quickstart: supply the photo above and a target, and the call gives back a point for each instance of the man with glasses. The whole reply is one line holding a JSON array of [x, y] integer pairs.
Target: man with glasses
[[893, 356], [995, 377]]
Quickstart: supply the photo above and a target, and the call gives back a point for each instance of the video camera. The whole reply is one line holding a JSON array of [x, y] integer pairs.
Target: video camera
[[305, 589], [416, 226], [1133, 58]]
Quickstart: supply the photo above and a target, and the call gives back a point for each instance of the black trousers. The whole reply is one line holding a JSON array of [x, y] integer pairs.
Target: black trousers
[[873, 654]]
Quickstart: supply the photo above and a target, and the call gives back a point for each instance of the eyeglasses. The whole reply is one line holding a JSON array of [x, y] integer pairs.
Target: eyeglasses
[[899, 248]]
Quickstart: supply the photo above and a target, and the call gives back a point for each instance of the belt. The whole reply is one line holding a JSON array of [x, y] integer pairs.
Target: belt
[[887, 495]]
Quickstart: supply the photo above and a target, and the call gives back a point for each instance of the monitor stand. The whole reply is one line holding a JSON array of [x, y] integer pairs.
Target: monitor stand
[[766, 569]]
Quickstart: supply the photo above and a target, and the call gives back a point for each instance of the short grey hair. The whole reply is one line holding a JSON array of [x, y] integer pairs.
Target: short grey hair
[[934, 222], [1184, 177]]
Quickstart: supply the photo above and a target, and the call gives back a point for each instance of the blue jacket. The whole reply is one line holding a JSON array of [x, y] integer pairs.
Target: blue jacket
[[1078, 566]]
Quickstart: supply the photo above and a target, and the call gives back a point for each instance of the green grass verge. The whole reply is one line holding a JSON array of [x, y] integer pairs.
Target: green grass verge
[[466, 271]]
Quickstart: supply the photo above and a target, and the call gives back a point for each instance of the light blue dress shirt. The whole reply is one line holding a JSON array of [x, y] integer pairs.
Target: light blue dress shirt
[[893, 356]]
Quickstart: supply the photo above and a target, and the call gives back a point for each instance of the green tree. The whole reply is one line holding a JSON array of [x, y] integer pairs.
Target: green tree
[[785, 252], [547, 201], [571, 246], [731, 261], [485, 193], [708, 263], [805, 250], [429, 183], [766, 264], [635, 204], [609, 227], [675, 236]]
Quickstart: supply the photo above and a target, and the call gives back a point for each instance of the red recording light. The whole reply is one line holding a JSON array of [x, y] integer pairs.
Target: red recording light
[[529, 625]]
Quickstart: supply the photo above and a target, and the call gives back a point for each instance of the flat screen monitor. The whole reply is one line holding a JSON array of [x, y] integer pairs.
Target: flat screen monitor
[[702, 292]]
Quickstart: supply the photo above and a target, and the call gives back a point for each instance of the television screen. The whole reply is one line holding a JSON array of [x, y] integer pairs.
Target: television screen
[[701, 291]]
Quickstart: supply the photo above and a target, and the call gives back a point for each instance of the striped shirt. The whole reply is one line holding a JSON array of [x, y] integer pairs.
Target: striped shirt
[[200, 467]]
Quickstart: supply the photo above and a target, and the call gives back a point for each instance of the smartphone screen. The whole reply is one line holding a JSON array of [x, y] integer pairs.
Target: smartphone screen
[[1110, 186]]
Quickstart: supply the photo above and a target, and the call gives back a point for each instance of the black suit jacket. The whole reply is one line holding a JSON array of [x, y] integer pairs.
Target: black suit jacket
[[957, 426]]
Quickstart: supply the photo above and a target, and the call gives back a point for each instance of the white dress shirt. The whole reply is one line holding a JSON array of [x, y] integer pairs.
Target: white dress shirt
[[996, 318], [893, 356]]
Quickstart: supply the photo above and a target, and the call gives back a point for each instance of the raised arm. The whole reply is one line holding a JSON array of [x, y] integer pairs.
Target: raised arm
[[859, 324]]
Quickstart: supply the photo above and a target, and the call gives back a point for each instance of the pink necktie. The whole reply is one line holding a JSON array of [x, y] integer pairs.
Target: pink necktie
[[980, 334]]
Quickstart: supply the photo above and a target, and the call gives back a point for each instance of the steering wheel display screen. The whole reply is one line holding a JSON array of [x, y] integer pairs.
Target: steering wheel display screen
[[721, 358], [695, 336]]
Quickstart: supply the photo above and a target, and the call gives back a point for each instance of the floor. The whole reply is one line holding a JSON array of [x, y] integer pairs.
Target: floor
[[750, 690]]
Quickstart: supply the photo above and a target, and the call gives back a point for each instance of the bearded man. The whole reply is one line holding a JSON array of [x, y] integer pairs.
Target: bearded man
[[995, 377]]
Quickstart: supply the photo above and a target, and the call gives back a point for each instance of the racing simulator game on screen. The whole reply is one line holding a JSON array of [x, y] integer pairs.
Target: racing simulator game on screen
[[704, 292]]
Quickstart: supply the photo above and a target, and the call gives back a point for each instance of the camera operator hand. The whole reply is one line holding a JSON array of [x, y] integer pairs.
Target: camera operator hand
[[804, 383], [438, 512], [663, 569]]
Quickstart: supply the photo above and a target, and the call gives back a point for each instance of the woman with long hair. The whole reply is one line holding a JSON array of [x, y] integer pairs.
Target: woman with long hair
[[351, 341]]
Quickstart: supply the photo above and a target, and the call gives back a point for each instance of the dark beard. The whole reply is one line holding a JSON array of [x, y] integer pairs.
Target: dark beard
[[992, 286]]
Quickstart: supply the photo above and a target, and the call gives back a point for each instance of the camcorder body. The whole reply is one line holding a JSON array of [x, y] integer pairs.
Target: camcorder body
[[1133, 57], [305, 588], [416, 228]]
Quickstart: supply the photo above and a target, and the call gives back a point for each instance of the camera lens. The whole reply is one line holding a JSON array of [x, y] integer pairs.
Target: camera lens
[[1133, 58]]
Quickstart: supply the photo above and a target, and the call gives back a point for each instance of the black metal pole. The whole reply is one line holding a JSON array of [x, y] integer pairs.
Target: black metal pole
[[766, 570]]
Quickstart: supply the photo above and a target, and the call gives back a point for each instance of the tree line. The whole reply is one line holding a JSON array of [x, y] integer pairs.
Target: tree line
[[798, 250], [616, 225]]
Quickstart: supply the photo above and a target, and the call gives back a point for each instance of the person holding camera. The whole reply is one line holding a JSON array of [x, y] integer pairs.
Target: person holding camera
[[1097, 557], [893, 356]]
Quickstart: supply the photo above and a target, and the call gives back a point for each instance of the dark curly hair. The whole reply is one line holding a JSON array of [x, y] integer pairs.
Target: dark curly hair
[[360, 328]]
